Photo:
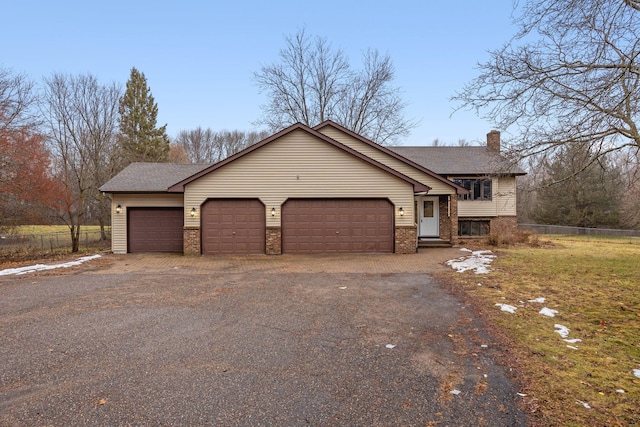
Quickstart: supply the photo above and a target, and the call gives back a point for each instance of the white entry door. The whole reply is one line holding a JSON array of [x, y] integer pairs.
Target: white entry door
[[429, 223]]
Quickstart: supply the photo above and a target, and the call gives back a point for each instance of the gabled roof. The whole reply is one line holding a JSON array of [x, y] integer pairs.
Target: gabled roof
[[417, 186], [472, 160], [150, 177], [393, 153]]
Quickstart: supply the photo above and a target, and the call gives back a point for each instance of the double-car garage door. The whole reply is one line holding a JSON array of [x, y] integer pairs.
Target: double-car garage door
[[238, 226], [337, 225]]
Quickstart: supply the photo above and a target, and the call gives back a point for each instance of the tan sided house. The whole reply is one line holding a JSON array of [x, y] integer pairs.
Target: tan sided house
[[313, 190]]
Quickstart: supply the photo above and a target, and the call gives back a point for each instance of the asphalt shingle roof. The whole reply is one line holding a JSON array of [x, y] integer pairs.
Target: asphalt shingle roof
[[459, 160], [150, 177]]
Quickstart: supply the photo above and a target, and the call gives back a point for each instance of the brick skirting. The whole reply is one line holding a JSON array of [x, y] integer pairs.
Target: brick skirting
[[192, 240], [406, 240]]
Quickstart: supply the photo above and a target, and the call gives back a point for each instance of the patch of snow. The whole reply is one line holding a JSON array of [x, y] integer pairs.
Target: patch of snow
[[42, 267], [466, 250], [562, 330], [585, 404], [478, 261], [484, 345], [620, 390], [390, 345], [342, 287], [521, 394], [572, 347], [541, 300], [573, 340], [506, 307], [636, 372], [548, 312], [456, 392]]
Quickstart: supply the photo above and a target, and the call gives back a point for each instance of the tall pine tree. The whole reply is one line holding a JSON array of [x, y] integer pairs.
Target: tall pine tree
[[580, 189], [140, 139]]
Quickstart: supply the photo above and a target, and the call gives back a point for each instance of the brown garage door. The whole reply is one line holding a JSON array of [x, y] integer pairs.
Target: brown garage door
[[155, 229], [233, 226], [337, 225]]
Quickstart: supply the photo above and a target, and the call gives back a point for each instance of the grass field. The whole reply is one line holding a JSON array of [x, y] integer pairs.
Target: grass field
[[46, 229], [31, 241], [594, 284]]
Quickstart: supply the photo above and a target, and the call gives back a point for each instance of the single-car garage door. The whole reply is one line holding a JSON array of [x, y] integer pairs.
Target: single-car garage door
[[233, 226], [155, 229], [337, 225]]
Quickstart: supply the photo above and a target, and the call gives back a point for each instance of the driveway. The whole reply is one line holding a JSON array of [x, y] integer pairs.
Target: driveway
[[351, 340]]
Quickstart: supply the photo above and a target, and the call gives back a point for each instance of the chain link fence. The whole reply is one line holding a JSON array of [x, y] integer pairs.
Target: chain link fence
[[49, 242], [578, 231]]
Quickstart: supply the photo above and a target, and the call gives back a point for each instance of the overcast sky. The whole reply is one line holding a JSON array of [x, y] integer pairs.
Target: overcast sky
[[199, 56]]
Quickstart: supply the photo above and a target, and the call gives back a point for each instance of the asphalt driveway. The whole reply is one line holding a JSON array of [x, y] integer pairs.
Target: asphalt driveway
[[352, 340]]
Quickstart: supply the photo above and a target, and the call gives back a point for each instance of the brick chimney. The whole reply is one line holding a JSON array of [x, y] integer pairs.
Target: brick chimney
[[493, 140]]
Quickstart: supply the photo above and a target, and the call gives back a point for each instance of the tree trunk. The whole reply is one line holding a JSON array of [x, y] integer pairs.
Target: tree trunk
[[103, 234]]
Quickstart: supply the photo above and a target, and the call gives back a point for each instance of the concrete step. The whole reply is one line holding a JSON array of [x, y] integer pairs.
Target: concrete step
[[433, 243]]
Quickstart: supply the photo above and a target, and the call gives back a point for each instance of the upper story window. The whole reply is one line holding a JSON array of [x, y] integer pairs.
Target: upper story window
[[479, 188]]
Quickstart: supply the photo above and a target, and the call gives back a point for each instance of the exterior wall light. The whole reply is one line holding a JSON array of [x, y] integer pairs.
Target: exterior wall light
[[193, 212], [273, 211], [401, 211], [118, 209]]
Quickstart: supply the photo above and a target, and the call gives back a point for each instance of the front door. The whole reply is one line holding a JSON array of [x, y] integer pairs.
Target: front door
[[429, 221]]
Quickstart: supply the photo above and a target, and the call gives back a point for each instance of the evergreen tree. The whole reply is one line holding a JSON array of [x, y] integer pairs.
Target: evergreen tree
[[579, 189], [140, 139]]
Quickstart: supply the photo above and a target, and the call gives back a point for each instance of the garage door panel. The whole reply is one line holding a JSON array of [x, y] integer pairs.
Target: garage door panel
[[155, 229], [337, 225], [235, 226]]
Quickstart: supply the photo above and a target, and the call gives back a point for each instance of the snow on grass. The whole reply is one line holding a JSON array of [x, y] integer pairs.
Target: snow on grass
[[42, 267], [477, 260], [541, 300], [636, 372], [562, 330], [548, 312], [508, 308]]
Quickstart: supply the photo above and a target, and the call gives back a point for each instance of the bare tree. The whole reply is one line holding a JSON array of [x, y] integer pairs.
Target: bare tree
[[312, 83], [24, 161], [17, 98], [630, 204], [208, 146], [571, 75], [81, 117], [199, 144]]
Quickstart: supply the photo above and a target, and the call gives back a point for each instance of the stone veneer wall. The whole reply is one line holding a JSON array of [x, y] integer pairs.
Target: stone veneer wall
[[406, 239], [192, 240], [274, 241]]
